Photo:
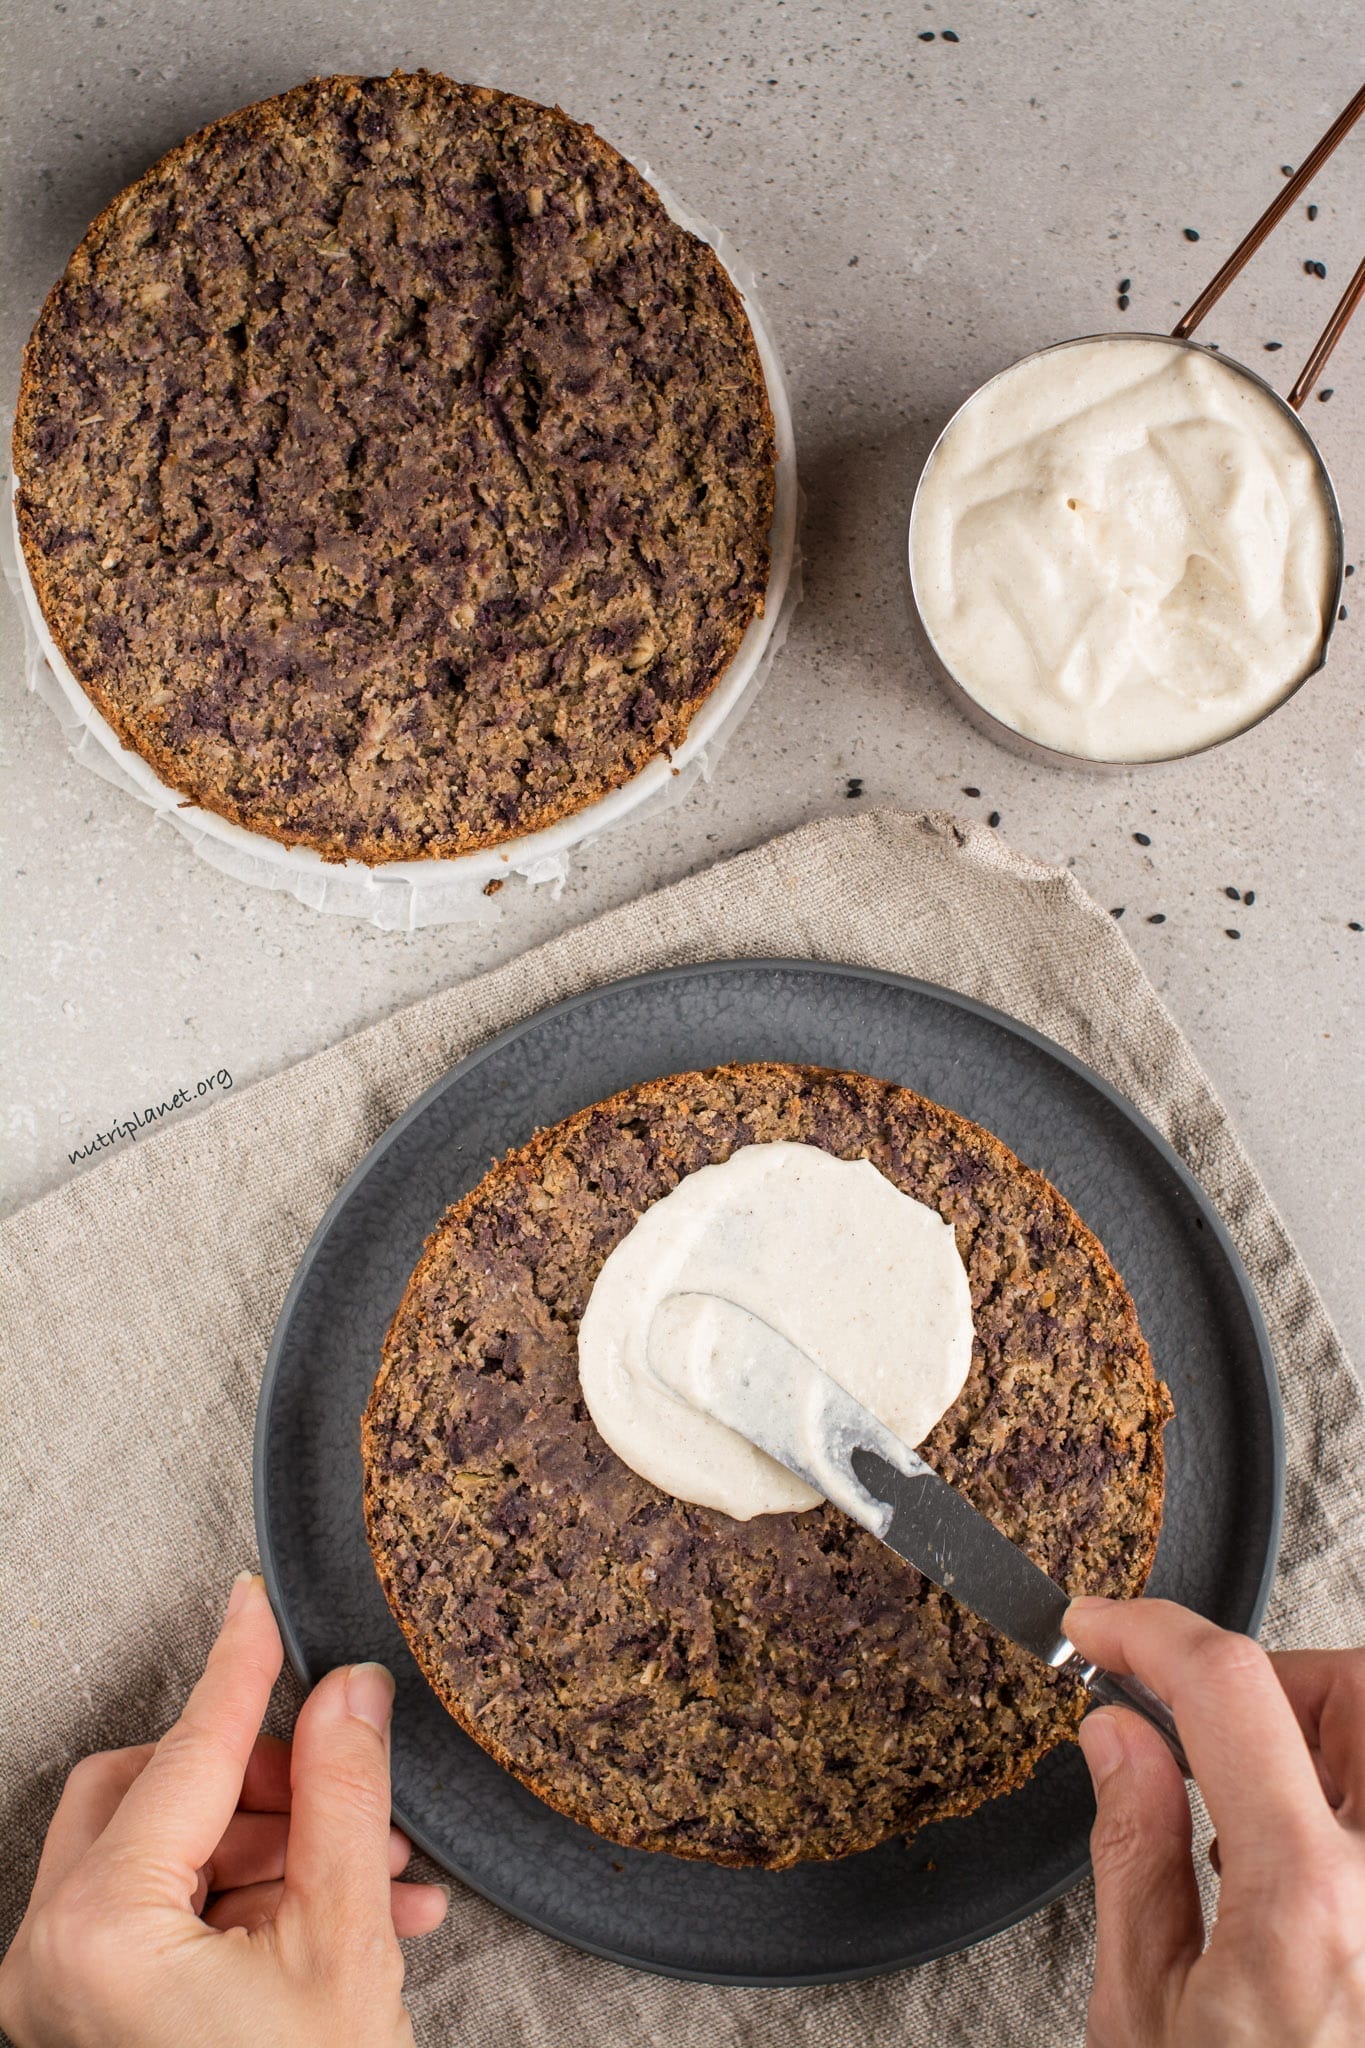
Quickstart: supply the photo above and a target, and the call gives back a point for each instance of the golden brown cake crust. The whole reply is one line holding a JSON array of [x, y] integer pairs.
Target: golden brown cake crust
[[393, 473], [749, 1692]]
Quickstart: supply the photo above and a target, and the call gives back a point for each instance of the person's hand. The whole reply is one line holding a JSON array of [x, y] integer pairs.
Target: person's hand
[[1277, 1745], [219, 1887]]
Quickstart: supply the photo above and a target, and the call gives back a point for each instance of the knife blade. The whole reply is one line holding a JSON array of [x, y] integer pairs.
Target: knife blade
[[733, 1366]]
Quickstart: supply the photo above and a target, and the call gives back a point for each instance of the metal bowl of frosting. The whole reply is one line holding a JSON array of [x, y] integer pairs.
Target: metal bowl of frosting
[[1125, 549]]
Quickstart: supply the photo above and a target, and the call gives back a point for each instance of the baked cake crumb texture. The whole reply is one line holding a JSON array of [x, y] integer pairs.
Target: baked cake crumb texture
[[394, 474], [764, 1691]]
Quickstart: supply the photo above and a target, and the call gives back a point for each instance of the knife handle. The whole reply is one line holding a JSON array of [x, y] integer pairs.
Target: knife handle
[[1111, 1689]]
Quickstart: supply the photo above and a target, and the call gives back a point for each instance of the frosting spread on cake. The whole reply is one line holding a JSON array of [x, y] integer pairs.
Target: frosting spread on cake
[[864, 1279]]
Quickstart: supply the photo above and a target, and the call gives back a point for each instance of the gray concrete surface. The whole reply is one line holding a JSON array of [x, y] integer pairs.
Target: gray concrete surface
[[918, 215]]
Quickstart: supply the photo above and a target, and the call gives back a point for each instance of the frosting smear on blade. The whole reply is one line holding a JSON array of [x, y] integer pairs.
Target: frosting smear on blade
[[865, 1280]]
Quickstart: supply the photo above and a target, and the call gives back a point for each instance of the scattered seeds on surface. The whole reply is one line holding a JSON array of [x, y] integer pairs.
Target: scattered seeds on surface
[[1341, 611], [926, 35], [1312, 213], [1191, 234], [994, 819], [1233, 895], [1157, 917], [970, 789], [854, 786], [1232, 932], [1273, 345], [492, 888], [1287, 169], [1123, 302], [1326, 393], [1355, 925], [1312, 268], [1142, 839], [1125, 284], [1350, 568], [1250, 896], [1119, 911], [950, 35]]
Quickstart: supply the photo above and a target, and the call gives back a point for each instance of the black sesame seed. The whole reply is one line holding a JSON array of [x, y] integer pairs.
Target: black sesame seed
[[970, 789], [994, 818], [1273, 345], [1355, 926], [1119, 911], [1326, 393], [1250, 896], [1312, 213], [926, 35], [1350, 568], [1191, 234], [854, 786], [1315, 269], [1157, 917], [1142, 839], [1341, 611], [1123, 302], [1232, 931], [1287, 169], [950, 35], [1233, 895], [1125, 284]]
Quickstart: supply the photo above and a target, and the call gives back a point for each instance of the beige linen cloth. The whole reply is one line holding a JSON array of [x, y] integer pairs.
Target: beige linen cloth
[[142, 1297]]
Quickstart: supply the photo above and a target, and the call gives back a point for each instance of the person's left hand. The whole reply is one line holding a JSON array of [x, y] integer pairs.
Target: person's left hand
[[223, 1887]]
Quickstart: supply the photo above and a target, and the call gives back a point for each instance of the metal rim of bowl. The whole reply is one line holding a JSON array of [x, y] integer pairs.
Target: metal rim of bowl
[[1020, 742]]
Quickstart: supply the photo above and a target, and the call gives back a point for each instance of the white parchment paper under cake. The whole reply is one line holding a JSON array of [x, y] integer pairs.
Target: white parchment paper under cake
[[405, 895]]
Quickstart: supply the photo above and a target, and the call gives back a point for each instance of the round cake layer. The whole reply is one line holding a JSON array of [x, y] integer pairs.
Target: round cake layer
[[762, 1691], [393, 473]]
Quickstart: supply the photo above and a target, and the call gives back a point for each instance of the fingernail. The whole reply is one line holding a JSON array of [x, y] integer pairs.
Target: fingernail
[[1103, 1746], [369, 1694], [241, 1586]]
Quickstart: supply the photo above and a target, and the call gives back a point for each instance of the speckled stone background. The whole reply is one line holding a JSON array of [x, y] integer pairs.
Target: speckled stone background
[[918, 214]]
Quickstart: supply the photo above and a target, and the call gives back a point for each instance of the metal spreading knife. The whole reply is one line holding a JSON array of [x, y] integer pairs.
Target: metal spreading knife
[[770, 1392]]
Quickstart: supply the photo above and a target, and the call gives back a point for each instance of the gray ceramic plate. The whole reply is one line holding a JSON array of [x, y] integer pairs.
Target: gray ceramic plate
[[902, 1903]]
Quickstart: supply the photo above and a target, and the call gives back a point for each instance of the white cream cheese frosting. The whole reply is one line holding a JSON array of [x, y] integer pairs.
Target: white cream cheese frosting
[[1124, 549], [866, 1281]]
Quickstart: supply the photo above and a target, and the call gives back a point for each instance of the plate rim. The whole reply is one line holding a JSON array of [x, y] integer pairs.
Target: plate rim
[[745, 964]]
